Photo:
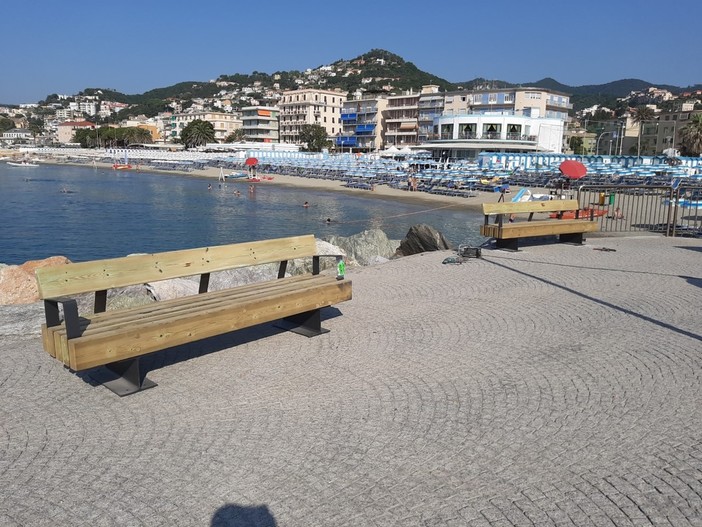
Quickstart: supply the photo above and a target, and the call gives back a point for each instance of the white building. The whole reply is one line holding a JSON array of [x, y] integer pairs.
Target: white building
[[466, 135]]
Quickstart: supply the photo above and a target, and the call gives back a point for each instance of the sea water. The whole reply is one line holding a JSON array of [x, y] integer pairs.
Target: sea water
[[87, 213]]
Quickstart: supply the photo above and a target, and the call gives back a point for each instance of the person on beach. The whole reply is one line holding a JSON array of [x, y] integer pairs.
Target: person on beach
[[618, 214]]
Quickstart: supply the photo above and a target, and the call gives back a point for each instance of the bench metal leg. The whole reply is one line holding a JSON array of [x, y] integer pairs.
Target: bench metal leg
[[576, 238], [510, 244], [129, 378], [308, 324]]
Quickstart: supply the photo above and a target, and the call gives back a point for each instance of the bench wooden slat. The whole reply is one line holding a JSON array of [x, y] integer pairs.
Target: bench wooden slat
[[100, 321], [180, 328], [554, 205], [85, 277]]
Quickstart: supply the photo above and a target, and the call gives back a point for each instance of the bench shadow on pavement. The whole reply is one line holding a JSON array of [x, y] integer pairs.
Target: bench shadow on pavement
[[232, 515], [200, 348], [590, 298]]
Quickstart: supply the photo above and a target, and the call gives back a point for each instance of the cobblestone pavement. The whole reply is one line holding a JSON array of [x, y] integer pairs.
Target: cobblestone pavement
[[559, 385]]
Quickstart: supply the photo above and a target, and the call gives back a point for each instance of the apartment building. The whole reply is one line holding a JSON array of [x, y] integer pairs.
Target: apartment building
[[309, 106], [401, 119], [67, 130], [534, 102], [362, 124], [430, 106], [260, 124], [223, 123]]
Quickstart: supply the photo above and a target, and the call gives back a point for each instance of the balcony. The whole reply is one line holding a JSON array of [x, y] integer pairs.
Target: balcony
[[365, 128]]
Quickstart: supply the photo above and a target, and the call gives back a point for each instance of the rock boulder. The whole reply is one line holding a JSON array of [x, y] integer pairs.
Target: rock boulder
[[422, 238], [18, 284], [366, 248]]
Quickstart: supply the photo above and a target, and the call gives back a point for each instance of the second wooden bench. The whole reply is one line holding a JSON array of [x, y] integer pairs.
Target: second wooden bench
[[569, 223]]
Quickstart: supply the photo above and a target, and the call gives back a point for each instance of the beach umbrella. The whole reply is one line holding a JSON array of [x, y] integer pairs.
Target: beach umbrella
[[251, 161], [572, 169]]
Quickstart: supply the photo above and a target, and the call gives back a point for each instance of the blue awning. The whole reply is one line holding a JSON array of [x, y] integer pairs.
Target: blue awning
[[346, 141]]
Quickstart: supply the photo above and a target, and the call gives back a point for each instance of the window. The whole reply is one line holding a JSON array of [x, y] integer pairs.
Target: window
[[509, 97], [492, 97]]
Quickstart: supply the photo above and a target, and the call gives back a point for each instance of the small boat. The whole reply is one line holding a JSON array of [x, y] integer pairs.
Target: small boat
[[253, 179], [236, 175], [22, 164], [124, 165], [583, 214]]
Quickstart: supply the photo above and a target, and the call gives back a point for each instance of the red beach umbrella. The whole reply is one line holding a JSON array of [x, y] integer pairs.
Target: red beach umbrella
[[251, 161], [572, 169]]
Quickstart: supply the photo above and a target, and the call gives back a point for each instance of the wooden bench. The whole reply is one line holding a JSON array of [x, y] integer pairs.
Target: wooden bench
[[117, 338], [507, 233]]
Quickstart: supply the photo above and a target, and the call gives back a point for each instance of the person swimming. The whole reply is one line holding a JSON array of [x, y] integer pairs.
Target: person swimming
[[306, 204]]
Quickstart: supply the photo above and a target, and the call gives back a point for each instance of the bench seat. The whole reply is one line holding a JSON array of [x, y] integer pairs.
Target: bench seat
[[110, 337]]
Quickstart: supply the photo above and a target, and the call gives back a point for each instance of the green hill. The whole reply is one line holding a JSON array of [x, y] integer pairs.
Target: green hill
[[377, 71]]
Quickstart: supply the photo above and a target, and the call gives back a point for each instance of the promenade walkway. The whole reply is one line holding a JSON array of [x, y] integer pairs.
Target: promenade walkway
[[559, 385]]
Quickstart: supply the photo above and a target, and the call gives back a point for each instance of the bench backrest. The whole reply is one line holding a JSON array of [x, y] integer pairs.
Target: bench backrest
[[554, 205], [98, 275]]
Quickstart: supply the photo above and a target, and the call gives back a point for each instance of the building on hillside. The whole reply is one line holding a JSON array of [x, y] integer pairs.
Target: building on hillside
[[260, 124], [65, 114], [223, 123], [401, 119], [67, 130], [309, 106], [362, 124], [83, 107]]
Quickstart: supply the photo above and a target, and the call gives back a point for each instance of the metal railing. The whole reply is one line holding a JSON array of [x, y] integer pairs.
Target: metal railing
[[668, 209]]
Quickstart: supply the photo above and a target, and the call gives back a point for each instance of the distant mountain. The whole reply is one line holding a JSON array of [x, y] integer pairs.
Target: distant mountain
[[378, 71]]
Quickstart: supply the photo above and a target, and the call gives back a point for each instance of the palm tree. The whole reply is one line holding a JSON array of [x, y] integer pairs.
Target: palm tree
[[197, 133], [691, 136], [640, 116]]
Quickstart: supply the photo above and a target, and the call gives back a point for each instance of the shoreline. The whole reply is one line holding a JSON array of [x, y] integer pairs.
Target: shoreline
[[473, 204]]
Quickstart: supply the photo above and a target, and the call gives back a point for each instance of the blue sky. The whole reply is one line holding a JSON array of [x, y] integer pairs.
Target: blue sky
[[52, 46]]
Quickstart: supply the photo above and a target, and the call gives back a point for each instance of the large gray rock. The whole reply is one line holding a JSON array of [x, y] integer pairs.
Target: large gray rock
[[422, 238], [366, 248], [174, 288], [260, 273]]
